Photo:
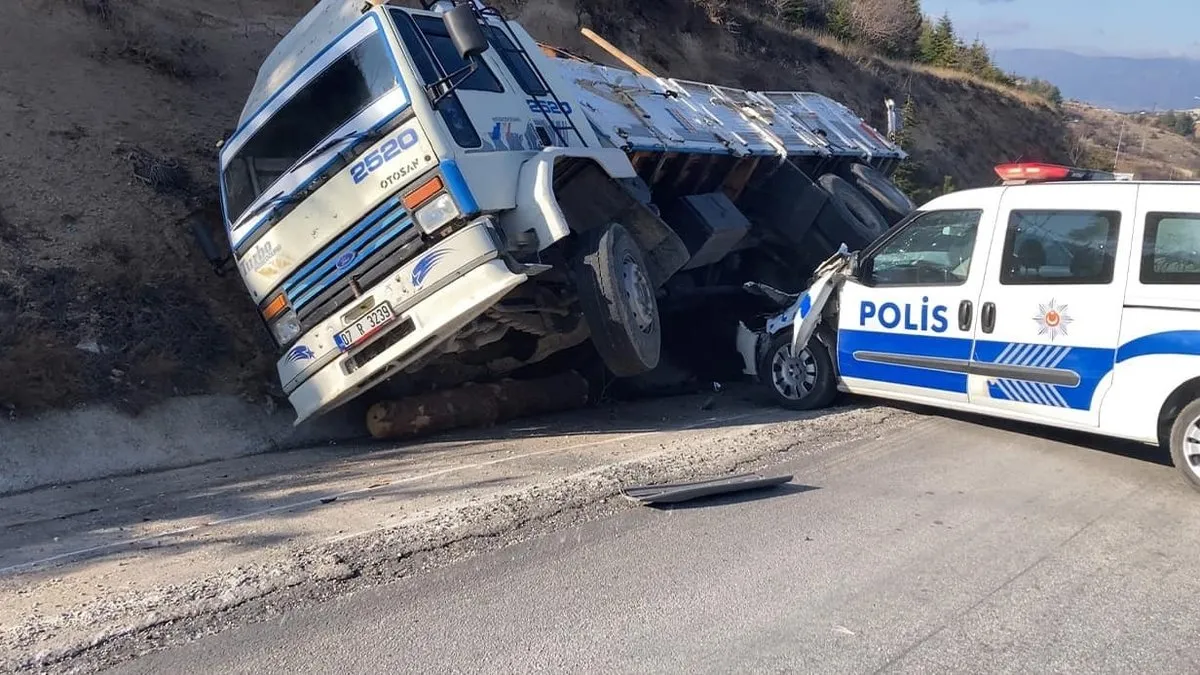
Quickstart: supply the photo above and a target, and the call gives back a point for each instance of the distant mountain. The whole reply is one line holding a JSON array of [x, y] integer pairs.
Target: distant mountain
[[1119, 82]]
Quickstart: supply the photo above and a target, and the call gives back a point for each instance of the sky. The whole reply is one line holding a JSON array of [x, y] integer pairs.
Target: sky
[[1144, 28]]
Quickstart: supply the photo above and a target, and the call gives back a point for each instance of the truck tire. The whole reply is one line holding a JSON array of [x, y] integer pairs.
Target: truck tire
[[849, 216], [618, 300], [802, 382], [889, 200], [1184, 442]]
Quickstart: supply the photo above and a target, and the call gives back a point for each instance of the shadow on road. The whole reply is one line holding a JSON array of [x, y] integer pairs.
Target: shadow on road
[[748, 496], [1093, 442]]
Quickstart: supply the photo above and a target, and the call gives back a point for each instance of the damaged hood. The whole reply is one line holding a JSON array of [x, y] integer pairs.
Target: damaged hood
[[804, 315]]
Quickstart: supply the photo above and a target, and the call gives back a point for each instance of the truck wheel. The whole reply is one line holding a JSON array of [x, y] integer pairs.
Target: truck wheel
[[1185, 443], [890, 200], [801, 381], [853, 219], [618, 300]]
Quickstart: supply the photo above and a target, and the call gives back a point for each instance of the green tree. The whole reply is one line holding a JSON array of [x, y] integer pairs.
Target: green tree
[[839, 21], [790, 12], [944, 44], [1185, 125], [1046, 90], [926, 50]]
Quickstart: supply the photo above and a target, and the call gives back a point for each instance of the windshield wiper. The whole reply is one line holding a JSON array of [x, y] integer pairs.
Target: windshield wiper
[[279, 199], [353, 135]]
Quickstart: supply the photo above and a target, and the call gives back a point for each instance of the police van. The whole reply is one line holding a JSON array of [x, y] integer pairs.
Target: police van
[[1062, 296]]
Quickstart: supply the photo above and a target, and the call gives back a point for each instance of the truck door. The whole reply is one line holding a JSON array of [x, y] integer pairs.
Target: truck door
[[502, 105], [1050, 311], [905, 319]]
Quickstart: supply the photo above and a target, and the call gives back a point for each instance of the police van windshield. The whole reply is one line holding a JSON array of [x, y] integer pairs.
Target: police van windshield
[[341, 91]]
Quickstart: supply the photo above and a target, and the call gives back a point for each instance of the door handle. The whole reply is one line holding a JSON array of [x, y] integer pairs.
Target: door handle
[[965, 315], [987, 317]]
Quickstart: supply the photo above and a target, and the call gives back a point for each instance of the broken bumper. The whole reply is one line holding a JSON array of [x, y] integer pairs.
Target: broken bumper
[[431, 302]]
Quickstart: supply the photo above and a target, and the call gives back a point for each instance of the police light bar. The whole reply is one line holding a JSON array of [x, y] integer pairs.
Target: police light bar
[[1037, 172]]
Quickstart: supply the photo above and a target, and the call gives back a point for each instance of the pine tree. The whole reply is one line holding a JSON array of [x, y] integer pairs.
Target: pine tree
[[944, 48], [926, 49], [839, 21]]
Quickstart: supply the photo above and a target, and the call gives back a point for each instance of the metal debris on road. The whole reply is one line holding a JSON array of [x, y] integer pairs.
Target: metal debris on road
[[680, 492]]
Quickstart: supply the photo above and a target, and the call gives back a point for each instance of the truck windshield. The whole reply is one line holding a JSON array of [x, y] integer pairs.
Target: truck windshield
[[341, 91]]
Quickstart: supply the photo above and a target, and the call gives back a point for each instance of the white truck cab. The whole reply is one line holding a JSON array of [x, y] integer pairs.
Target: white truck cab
[[1062, 297]]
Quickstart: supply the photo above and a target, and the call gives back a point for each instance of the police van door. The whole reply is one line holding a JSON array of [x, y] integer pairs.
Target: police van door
[[1050, 312], [906, 318]]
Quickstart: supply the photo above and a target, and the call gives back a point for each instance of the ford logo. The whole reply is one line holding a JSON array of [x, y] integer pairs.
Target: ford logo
[[345, 259]]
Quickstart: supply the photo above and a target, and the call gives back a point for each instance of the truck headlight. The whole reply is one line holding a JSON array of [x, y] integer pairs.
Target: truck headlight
[[439, 211], [286, 328]]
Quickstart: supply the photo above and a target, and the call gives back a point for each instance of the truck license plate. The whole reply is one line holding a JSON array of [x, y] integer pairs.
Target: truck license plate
[[365, 326]]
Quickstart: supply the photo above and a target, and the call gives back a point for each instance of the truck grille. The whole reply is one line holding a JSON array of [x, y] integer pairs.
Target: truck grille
[[367, 252]]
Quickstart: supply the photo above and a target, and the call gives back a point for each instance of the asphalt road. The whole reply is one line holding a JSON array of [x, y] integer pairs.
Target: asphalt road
[[948, 547]]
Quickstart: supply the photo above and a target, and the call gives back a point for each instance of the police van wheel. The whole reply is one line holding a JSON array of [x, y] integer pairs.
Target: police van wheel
[[1185, 443], [618, 300], [801, 381]]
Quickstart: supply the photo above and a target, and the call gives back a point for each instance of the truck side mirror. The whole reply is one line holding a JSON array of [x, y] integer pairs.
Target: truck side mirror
[[465, 31]]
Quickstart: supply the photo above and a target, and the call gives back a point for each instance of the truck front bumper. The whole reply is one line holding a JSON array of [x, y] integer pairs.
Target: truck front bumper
[[432, 301]]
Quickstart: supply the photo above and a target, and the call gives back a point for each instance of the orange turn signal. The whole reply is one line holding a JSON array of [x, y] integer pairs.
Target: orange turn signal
[[275, 307], [423, 193]]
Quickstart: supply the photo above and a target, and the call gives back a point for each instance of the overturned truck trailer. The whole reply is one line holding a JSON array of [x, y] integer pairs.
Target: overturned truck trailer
[[409, 187]]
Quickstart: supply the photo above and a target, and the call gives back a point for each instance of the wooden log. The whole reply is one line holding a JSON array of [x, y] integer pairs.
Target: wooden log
[[476, 405]]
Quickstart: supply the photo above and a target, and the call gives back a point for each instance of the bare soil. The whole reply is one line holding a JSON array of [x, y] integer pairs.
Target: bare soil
[[109, 115]]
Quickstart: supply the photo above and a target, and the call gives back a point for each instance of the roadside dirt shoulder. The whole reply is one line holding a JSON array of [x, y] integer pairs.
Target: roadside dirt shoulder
[[100, 568]]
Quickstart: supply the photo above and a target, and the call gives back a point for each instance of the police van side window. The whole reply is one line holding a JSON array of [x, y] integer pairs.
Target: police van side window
[[1060, 247], [933, 249], [1171, 249]]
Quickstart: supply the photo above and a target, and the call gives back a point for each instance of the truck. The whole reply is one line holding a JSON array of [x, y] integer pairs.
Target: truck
[[407, 187]]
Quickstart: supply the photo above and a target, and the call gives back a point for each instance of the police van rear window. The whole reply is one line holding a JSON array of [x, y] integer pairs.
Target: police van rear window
[[1171, 249], [1060, 247]]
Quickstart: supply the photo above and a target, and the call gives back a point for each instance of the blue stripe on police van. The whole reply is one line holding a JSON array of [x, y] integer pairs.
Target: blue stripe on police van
[[926, 376], [1185, 342], [1089, 364], [942, 363]]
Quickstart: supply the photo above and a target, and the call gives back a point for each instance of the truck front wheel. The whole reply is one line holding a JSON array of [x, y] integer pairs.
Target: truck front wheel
[[1185, 443], [618, 300], [802, 381]]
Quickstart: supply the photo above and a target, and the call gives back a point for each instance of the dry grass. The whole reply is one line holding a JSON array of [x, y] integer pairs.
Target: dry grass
[[866, 57]]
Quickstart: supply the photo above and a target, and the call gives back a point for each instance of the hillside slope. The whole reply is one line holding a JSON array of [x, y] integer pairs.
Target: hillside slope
[[1146, 150], [108, 140]]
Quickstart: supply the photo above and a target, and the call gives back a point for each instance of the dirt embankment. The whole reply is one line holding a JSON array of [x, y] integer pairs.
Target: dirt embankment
[[109, 115]]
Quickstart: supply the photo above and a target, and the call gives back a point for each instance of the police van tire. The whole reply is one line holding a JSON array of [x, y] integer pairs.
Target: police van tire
[[849, 216], [803, 382], [618, 300], [1185, 453], [889, 199]]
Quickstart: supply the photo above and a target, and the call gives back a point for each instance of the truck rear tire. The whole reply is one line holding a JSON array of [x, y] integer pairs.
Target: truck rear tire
[[1184, 443], [798, 382], [889, 200], [618, 300], [849, 216]]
